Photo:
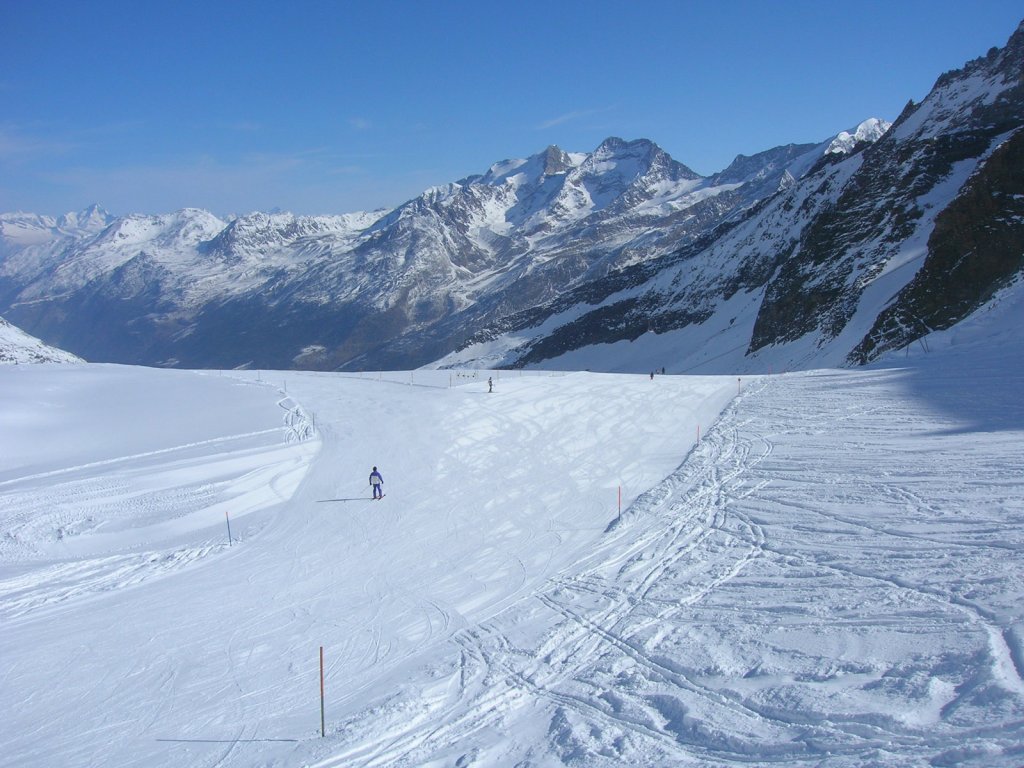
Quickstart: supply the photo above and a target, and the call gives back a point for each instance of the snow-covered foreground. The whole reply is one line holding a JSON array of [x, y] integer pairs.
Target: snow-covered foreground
[[831, 576]]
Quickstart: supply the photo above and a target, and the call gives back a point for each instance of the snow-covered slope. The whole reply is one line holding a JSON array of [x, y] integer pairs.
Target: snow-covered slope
[[830, 576], [16, 346]]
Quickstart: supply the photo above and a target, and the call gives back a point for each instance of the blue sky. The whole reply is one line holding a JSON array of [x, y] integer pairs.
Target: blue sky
[[333, 107]]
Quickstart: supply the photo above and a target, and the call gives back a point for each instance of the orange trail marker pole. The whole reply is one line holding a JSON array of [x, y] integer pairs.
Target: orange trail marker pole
[[323, 730]]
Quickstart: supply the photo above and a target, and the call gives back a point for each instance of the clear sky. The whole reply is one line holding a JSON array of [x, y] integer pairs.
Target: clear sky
[[340, 106]]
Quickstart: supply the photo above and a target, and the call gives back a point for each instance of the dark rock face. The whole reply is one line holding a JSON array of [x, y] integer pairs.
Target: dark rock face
[[817, 288], [976, 248]]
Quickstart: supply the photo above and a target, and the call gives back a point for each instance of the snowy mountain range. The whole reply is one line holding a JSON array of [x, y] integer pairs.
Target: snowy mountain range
[[867, 246], [618, 259]]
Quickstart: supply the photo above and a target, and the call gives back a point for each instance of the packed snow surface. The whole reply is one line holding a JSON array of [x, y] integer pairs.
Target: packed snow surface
[[830, 576]]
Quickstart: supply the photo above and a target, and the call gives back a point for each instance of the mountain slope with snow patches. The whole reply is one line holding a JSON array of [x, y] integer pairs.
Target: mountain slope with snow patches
[[860, 252], [187, 288]]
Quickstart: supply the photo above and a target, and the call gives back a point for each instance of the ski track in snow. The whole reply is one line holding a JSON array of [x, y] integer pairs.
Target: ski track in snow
[[136, 499], [830, 577]]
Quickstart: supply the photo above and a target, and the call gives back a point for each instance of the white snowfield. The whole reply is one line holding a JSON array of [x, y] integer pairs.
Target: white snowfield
[[831, 576]]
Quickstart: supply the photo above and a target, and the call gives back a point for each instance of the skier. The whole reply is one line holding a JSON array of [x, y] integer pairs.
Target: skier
[[376, 481], [490, 384]]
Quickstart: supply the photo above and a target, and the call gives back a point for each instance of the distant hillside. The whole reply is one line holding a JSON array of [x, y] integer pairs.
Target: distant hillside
[[17, 347]]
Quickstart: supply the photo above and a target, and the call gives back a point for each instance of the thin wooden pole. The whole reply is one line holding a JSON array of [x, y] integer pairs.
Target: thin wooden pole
[[323, 729]]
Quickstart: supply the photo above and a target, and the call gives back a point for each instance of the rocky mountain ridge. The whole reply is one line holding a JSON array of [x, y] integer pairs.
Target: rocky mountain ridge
[[184, 288], [868, 250]]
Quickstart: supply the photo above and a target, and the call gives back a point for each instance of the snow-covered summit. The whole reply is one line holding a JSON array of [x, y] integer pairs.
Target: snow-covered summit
[[181, 229], [22, 229], [552, 161], [91, 219], [870, 131]]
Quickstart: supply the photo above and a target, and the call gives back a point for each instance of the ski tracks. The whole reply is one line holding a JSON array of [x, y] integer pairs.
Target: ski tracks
[[757, 606], [91, 528], [597, 687]]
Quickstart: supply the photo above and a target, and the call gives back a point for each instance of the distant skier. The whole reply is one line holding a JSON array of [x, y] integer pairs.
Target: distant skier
[[376, 481], [490, 384]]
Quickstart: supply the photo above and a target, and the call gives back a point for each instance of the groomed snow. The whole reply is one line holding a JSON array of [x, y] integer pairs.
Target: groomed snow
[[831, 576]]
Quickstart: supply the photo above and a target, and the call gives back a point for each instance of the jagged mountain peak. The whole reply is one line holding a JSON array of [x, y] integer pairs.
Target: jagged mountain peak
[[257, 232], [552, 161], [183, 228], [985, 93], [636, 157], [23, 229], [647, 156], [615, 145], [545, 192], [1011, 58], [556, 161], [93, 217], [1008, 61]]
